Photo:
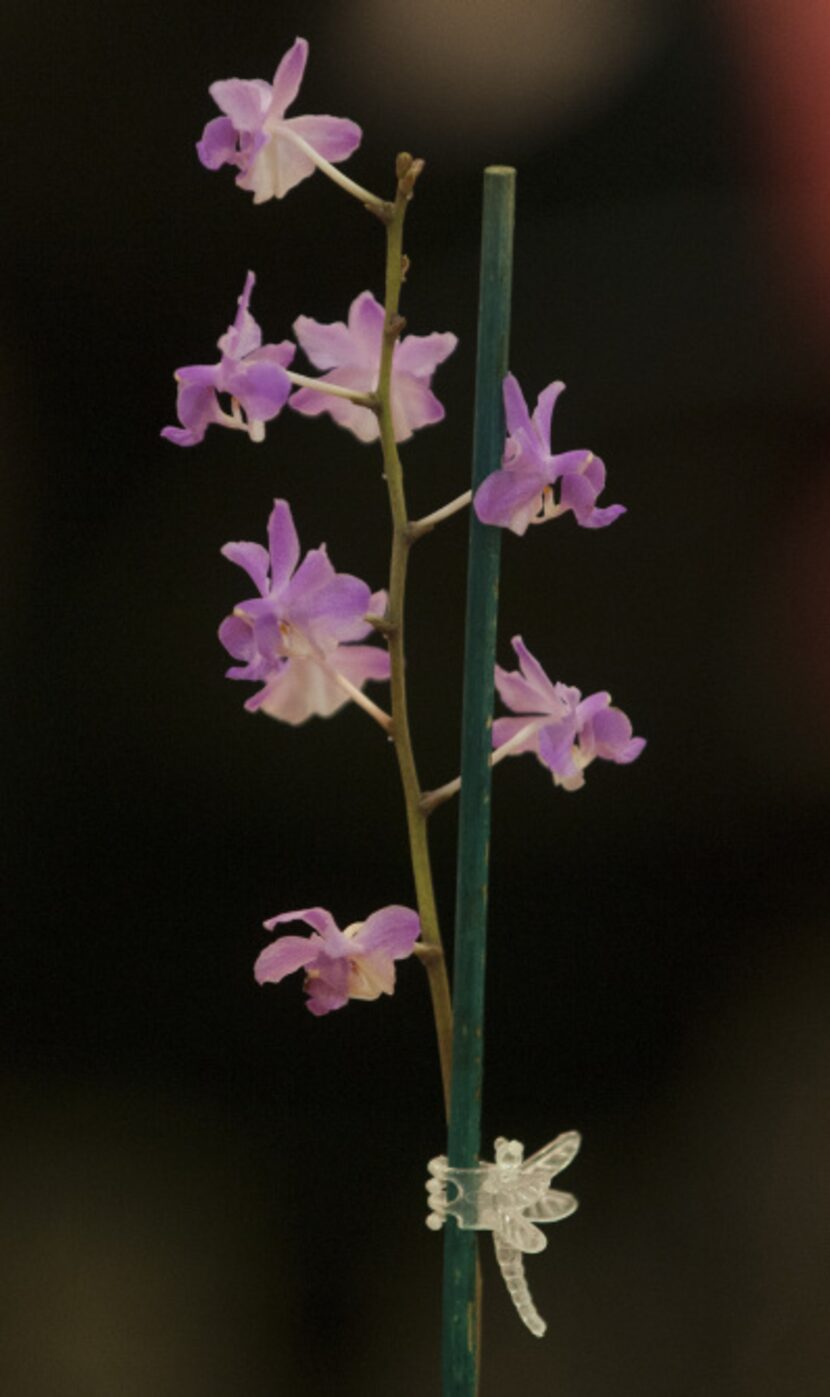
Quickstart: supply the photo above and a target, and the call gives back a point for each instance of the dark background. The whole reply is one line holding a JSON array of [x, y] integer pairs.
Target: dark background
[[202, 1189]]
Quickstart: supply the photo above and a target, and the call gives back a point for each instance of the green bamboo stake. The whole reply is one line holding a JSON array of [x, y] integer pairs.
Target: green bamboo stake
[[461, 1319]]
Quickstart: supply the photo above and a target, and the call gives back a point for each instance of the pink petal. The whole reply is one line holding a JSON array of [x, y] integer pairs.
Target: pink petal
[[569, 463], [325, 345], [329, 989], [544, 411], [366, 320], [577, 493], [630, 751], [244, 101], [335, 613], [302, 689], [283, 545], [316, 917], [391, 931], [253, 558], [358, 663], [314, 573], [238, 638], [284, 956], [244, 335], [261, 388], [421, 354], [595, 473], [196, 408], [554, 696], [613, 738], [556, 749], [413, 406], [515, 407], [509, 499], [275, 168], [199, 375], [288, 77], [376, 607], [601, 518], [218, 144], [281, 354], [593, 705], [519, 694], [333, 137]]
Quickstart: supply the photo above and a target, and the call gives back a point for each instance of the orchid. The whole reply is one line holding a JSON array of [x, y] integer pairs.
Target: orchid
[[521, 493], [563, 730], [253, 373], [358, 963], [273, 152], [351, 355], [296, 637]]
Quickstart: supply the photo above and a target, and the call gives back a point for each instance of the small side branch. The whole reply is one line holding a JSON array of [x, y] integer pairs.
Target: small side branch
[[381, 624], [380, 716], [430, 800], [369, 400], [376, 205], [418, 527]]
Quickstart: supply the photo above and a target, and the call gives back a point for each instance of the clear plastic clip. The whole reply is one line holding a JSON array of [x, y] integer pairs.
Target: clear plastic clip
[[507, 1198]]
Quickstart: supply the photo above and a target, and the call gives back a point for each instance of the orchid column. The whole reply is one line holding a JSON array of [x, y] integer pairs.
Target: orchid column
[[461, 1289]]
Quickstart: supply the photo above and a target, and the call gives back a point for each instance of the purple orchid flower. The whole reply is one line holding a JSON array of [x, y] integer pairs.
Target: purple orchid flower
[[252, 373], [358, 963], [521, 493], [272, 152], [351, 354], [296, 637], [565, 731]]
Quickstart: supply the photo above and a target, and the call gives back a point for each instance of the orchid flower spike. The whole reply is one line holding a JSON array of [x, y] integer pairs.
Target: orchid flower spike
[[521, 493], [563, 730], [273, 152], [252, 373], [358, 963], [296, 637], [350, 354]]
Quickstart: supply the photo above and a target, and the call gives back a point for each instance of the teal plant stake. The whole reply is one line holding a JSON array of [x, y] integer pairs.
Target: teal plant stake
[[461, 1307]]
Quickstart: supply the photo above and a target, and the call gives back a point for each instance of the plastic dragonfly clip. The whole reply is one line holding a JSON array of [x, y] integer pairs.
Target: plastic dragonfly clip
[[507, 1198]]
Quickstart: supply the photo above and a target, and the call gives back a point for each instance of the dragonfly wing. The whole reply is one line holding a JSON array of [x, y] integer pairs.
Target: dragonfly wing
[[557, 1155], [525, 1189], [552, 1206], [518, 1232]]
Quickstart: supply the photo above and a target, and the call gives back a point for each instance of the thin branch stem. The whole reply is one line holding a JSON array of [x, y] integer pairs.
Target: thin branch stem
[[303, 381], [379, 623], [363, 701], [423, 526], [356, 190], [431, 799], [435, 965]]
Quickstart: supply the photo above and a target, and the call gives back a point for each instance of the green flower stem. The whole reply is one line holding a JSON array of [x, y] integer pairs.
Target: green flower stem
[[393, 626], [461, 1306]]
